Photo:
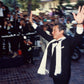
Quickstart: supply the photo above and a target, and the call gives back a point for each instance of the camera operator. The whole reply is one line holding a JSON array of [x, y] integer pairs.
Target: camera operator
[[26, 42], [3, 12]]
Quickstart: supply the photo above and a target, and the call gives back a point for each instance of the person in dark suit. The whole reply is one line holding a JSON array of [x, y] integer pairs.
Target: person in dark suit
[[60, 49], [3, 12], [26, 41]]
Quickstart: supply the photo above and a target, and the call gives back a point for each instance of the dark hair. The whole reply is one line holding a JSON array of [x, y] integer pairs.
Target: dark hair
[[61, 26], [1, 2], [22, 19]]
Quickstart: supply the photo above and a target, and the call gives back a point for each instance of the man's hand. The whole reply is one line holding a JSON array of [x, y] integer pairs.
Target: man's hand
[[80, 15], [31, 21], [28, 42]]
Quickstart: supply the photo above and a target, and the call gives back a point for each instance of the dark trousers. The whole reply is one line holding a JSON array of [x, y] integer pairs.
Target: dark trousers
[[60, 81], [2, 21], [14, 41], [4, 46], [28, 55], [0, 47]]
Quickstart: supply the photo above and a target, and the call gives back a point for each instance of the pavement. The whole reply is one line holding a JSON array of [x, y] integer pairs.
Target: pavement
[[27, 74]]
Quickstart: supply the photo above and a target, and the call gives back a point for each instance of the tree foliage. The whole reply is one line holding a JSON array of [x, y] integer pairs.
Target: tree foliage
[[24, 4], [80, 3], [11, 4]]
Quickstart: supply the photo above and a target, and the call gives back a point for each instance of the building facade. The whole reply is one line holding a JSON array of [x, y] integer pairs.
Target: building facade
[[47, 4]]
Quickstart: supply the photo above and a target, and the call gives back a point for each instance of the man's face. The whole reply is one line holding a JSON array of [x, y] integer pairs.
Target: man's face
[[22, 21], [45, 28], [56, 33]]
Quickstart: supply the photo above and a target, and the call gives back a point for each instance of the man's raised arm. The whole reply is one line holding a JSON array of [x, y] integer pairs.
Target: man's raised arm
[[79, 18], [40, 30]]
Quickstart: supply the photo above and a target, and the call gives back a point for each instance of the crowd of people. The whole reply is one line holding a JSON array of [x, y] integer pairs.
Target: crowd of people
[[14, 27]]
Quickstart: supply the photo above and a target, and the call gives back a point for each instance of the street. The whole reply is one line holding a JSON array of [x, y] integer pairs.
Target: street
[[26, 74]]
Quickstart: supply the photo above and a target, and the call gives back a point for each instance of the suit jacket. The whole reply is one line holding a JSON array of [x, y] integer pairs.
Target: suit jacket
[[67, 47]]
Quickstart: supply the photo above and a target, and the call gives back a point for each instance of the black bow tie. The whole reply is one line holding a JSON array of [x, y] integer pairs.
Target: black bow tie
[[58, 41]]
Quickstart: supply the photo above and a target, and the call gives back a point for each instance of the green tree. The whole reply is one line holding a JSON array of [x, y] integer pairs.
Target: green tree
[[80, 3], [10, 4], [24, 4]]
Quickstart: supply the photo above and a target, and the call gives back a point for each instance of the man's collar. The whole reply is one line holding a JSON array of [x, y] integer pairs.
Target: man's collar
[[62, 38]]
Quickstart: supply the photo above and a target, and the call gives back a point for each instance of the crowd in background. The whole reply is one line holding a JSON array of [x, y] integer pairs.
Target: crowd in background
[[18, 24]]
